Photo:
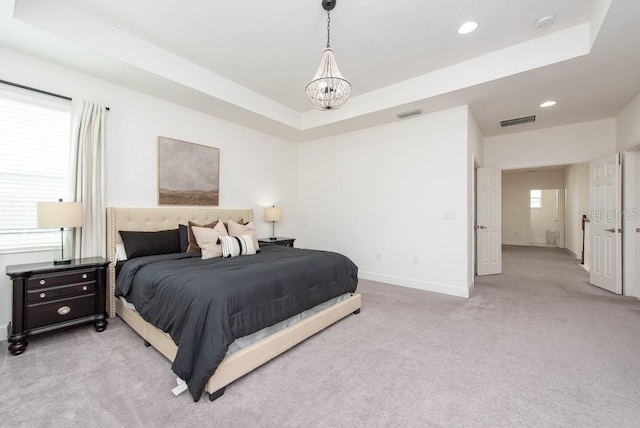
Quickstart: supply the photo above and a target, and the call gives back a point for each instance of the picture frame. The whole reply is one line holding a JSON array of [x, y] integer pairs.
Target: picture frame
[[188, 173]]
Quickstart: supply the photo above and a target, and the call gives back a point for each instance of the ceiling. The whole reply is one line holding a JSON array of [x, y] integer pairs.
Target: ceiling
[[249, 61]]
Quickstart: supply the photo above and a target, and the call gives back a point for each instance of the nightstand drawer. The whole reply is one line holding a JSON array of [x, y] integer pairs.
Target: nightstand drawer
[[43, 314], [52, 280], [46, 294]]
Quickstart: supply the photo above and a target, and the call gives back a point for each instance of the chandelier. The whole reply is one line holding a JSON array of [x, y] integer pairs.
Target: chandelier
[[328, 90]]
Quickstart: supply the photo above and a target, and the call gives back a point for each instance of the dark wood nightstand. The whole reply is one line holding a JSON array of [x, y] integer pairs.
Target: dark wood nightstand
[[281, 240], [47, 297]]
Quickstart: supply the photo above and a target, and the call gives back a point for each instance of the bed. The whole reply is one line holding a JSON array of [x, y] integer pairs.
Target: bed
[[292, 331]]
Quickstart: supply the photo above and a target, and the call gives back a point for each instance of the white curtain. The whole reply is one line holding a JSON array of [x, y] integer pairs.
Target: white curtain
[[87, 176]]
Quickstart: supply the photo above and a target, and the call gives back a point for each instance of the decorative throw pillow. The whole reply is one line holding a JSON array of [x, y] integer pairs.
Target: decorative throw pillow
[[138, 244], [192, 246], [241, 221], [183, 230], [207, 239], [237, 245], [236, 229]]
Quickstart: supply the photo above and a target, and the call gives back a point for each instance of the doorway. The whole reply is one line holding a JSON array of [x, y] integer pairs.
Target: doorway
[[546, 218], [551, 216]]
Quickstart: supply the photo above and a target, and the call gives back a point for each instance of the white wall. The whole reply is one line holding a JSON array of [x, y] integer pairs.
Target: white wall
[[628, 126], [256, 169], [559, 145], [378, 195], [516, 211], [577, 185]]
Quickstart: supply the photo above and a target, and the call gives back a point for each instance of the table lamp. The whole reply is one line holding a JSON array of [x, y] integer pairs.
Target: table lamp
[[273, 214], [60, 215]]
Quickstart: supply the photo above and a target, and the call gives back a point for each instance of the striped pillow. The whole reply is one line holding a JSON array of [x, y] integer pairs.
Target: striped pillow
[[237, 245]]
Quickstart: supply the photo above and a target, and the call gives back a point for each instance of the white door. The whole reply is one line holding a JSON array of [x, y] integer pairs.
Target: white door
[[605, 223], [488, 221]]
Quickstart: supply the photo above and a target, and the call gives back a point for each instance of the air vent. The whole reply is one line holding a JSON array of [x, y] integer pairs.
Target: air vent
[[409, 113], [517, 121]]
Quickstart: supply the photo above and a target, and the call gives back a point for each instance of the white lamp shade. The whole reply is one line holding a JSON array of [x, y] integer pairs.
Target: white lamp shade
[[59, 214], [273, 214]]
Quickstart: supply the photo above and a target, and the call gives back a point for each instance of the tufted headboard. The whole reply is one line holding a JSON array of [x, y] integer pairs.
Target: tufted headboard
[[154, 219]]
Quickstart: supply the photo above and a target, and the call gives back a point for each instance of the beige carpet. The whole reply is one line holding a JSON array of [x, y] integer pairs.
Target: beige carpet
[[536, 346]]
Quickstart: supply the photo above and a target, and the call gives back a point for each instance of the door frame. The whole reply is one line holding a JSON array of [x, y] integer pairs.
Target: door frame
[[630, 222]]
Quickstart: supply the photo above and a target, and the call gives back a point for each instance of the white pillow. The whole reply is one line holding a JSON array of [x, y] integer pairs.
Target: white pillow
[[236, 229], [121, 253], [237, 245], [207, 240]]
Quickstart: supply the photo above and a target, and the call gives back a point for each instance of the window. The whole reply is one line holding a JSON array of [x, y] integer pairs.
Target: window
[[536, 199], [34, 166]]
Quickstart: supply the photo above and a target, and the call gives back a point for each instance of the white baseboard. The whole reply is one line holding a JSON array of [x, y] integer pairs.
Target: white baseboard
[[586, 267], [517, 243], [539, 242], [4, 332], [572, 253], [414, 283]]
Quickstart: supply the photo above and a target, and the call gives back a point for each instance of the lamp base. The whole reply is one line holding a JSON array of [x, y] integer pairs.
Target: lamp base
[[62, 261]]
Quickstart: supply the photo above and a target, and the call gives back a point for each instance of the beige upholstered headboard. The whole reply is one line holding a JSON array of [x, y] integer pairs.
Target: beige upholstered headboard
[[154, 219]]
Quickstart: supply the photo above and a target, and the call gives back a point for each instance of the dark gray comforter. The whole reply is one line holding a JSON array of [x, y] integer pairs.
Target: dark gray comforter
[[206, 304]]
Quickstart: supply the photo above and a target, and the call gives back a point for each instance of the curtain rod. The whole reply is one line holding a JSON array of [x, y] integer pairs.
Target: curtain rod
[[40, 91]]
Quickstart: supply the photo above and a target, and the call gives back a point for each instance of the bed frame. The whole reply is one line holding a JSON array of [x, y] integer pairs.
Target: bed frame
[[241, 362]]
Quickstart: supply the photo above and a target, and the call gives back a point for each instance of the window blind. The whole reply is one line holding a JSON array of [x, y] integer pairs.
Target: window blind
[[34, 166]]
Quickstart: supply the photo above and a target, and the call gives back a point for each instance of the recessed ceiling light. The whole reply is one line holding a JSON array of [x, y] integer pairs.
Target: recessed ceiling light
[[548, 104], [467, 27], [545, 21]]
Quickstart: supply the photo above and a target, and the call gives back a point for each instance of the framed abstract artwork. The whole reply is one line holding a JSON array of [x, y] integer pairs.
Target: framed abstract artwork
[[188, 174]]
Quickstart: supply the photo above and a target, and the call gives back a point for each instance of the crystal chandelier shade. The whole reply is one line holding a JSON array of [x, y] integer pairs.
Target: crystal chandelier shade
[[328, 90]]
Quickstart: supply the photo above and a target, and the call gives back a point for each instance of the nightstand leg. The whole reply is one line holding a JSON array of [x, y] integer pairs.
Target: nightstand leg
[[18, 344], [100, 325]]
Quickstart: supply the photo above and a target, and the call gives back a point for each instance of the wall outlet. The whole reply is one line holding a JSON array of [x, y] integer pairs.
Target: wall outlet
[[378, 256], [416, 261]]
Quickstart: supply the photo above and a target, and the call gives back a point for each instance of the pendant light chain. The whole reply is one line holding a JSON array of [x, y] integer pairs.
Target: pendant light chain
[[328, 28]]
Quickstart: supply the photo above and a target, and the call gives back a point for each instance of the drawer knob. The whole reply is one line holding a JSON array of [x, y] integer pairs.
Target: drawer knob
[[42, 282], [64, 310], [84, 276], [42, 295], [84, 288]]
